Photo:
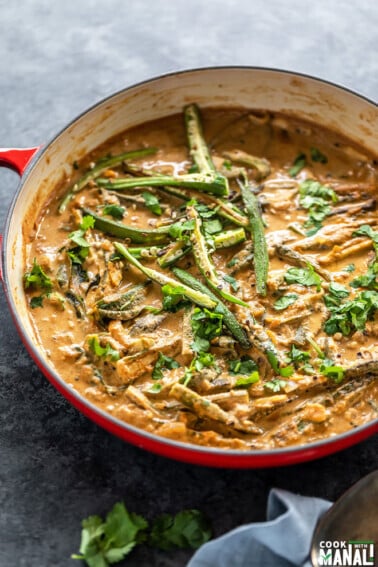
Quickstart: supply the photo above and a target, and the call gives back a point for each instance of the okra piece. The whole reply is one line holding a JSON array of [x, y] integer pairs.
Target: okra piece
[[260, 165], [207, 182], [200, 251], [174, 254], [204, 408], [195, 296], [224, 239], [101, 166], [198, 149], [204, 262], [229, 318], [137, 235], [256, 225], [225, 209], [229, 238], [146, 251]]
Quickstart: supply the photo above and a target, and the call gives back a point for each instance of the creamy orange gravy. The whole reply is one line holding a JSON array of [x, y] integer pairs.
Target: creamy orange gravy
[[276, 410]]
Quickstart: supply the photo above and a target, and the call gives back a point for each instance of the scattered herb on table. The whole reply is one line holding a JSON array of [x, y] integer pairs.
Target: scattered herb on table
[[109, 541]]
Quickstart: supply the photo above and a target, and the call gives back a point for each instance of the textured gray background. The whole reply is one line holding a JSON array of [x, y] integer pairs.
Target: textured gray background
[[57, 58]]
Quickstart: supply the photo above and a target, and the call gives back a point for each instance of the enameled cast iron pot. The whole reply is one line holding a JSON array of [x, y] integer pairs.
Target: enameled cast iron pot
[[42, 168]]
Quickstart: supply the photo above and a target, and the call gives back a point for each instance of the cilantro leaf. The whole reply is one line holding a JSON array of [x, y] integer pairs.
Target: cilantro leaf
[[205, 325], [37, 301], [202, 360], [212, 226], [152, 203], [284, 301], [163, 362], [173, 298], [350, 268], [106, 352], [243, 381], [276, 384], [336, 292], [232, 281], [366, 230], [245, 365], [187, 529], [107, 542], [179, 230], [37, 278], [203, 210], [303, 276], [352, 315], [318, 156], [368, 280], [298, 164], [155, 388], [316, 198], [114, 211], [329, 369], [80, 252]]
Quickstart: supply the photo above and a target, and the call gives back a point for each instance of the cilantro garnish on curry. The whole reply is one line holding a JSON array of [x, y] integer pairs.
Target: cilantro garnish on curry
[[212, 278]]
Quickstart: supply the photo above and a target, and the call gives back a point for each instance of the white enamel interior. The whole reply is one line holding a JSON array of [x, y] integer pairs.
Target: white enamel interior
[[307, 98]]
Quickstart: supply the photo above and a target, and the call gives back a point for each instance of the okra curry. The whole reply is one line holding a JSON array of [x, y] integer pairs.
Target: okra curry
[[211, 278]]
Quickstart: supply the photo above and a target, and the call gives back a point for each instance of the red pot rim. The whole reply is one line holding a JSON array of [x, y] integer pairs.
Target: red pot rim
[[195, 454]]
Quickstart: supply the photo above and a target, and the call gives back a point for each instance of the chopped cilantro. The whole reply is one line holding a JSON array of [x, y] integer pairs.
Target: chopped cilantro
[[114, 211], [202, 360], [350, 268], [316, 198], [212, 226], [232, 281], [297, 356], [336, 292], [80, 252], [244, 381], [227, 164], [106, 352], [303, 276], [179, 230], [298, 164], [352, 315], [329, 369], [173, 298], [245, 365], [37, 278], [162, 363], [318, 156], [368, 280], [284, 301], [205, 326], [203, 210], [37, 301], [232, 262], [152, 203], [155, 388], [275, 385]]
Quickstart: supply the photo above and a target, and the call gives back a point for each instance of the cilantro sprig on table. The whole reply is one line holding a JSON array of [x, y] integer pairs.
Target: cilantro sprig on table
[[106, 542]]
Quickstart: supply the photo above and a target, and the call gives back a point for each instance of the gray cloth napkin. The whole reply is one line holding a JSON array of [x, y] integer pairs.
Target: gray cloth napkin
[[282, 541]]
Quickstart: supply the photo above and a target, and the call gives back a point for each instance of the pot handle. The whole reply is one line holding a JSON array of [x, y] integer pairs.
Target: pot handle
[[17, 158]]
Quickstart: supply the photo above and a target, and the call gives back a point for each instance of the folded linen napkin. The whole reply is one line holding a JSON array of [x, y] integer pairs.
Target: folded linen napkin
[[284, 540]]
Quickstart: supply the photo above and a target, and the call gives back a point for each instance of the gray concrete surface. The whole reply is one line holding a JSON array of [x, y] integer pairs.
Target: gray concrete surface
[[57, 58]]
